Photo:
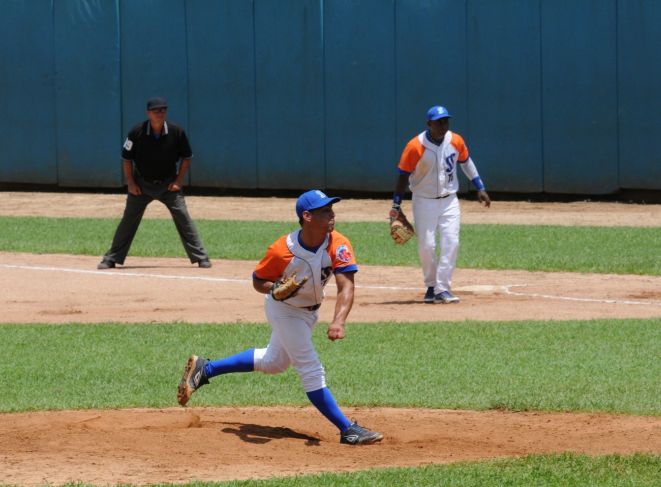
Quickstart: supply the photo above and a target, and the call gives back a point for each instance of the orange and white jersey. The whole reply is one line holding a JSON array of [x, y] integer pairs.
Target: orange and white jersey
[[287, 256], [432, 168]]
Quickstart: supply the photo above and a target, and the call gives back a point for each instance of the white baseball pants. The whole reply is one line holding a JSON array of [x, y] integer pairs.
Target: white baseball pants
[[291, 344], [433, 218]]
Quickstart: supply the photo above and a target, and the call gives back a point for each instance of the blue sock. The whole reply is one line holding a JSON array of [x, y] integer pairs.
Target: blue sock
[[241, 362], [324, 401]]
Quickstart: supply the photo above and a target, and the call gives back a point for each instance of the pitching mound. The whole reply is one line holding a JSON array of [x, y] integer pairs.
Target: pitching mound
[[180, 445]]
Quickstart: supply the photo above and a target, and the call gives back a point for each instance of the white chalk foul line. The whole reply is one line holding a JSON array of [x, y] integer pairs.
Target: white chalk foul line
[[123, 273], [506, 289]]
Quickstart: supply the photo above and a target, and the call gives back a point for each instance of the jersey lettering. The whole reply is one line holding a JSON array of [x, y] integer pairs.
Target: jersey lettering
[[449, 167], [325, 274], [432, 168]]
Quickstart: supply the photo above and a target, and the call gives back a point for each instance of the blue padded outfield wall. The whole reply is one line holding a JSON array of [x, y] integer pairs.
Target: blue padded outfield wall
[[551, 96]]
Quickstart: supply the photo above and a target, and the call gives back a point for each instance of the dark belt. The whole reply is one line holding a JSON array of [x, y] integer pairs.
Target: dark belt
[[155, 181], [312, 308], [441, 197]]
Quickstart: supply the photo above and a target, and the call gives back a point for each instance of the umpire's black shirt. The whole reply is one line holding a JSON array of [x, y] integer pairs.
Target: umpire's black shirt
[[156, 157]]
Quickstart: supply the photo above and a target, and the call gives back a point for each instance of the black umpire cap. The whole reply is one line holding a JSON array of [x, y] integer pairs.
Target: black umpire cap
[[156, 102]]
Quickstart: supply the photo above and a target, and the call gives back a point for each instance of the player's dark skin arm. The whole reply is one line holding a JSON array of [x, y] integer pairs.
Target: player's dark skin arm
[[262, 286], [400, 187], [483, 197], [345, 291], [402, 182]]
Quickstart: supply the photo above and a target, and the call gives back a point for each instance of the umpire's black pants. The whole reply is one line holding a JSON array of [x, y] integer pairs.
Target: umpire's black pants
[[135, 209]]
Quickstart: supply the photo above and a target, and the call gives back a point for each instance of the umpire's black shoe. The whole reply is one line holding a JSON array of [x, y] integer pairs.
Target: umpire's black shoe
[[193, 378], [357, 435], [205, 264], [429, 296], [106, 264]]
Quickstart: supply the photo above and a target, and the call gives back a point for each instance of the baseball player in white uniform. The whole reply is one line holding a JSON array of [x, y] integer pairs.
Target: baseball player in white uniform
[[311, 254], [429, 166]]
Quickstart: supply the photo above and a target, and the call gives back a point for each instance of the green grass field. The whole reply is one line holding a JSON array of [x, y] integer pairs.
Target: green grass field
[[619, 250], [540, 470], [600, 365]]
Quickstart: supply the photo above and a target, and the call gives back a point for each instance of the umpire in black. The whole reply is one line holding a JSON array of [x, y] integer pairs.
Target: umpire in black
[[150, 155]]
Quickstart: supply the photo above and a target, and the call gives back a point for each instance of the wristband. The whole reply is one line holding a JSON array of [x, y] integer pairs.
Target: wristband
[[396, 199], [395, 210], [477, 182]]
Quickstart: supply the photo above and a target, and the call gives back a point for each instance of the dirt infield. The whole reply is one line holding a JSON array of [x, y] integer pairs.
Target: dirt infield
[[140, 446], [68, 288], [177, 445]]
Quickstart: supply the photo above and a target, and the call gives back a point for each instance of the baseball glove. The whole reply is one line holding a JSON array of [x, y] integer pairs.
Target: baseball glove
[[286, 287], [401, 229]]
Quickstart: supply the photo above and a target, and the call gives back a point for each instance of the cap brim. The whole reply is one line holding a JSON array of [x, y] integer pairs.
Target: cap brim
[[326, 202], [438, 118], [322, 203]]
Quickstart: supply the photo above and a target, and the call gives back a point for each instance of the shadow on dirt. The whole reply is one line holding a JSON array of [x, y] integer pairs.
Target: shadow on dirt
[[259, 434]]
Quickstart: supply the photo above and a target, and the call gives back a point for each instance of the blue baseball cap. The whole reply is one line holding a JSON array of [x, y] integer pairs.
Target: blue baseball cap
[[437, 112], [313, 199]]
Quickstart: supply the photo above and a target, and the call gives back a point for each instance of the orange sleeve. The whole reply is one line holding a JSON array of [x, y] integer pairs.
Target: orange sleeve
[[274, 263], [411, 155], [458, 143], [341, 253]]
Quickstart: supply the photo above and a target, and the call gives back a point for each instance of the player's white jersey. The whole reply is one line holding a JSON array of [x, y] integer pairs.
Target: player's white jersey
[[432, 168], [287, 256]]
